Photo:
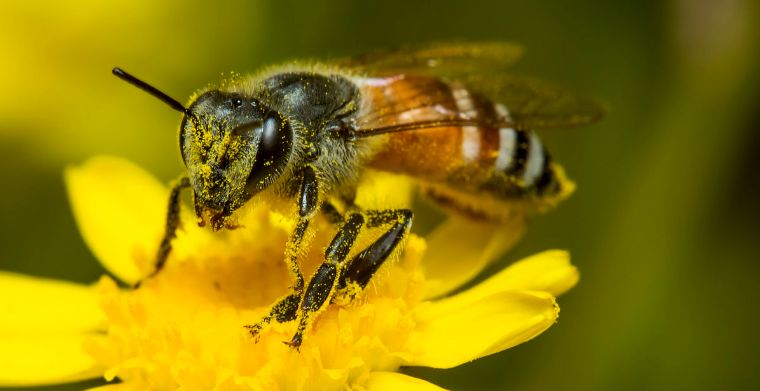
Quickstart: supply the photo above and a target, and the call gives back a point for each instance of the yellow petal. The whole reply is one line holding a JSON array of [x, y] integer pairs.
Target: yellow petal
[[459, 329], [459, 249], [44, 359], [548, 271], [120, 210], [381, 190], [126, 386], [381, 381], [31, 306]]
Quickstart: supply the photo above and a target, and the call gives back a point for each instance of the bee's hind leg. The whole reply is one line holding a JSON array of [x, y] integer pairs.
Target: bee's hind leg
[[324, 280], [359, 271], [337, 274]]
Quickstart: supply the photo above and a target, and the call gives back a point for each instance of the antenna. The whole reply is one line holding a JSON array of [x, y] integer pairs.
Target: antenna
[[118, 72]]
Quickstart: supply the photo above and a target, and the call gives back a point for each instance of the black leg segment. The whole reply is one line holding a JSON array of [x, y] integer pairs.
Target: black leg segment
[[322, 283], [332, 213], [172, 223], [308, 200], [364, 265], [336, 272], [284, 311]]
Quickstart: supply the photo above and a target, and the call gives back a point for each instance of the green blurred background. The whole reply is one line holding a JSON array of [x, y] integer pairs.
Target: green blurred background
[[664, 225]]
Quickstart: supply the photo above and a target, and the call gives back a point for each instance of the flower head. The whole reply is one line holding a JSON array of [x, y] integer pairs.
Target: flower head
[[185, 326]]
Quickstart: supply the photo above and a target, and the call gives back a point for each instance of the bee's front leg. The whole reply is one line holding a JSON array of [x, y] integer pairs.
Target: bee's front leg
[[284, 311], [308, 200], [170, 232]]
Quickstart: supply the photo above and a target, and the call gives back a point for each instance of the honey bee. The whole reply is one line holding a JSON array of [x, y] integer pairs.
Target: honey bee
[[445, 115]]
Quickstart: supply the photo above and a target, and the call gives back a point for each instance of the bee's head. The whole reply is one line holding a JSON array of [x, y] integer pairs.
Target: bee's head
[[232, 145]]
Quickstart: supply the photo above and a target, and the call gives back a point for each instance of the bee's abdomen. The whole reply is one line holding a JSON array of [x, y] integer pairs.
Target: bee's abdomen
[[495, 160], [522, 164], [513, 176]]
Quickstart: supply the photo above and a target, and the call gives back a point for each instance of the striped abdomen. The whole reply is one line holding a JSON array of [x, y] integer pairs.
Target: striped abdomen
[[457, 164]]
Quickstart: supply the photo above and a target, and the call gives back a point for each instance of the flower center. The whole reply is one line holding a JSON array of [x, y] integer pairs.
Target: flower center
[[185, 327]]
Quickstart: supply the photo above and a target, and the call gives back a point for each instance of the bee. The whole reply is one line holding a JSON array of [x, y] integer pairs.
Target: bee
[[445, 115]]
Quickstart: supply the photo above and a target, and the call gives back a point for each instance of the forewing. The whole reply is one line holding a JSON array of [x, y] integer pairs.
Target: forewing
[[409, 102], [537, 104], [411, 88], [443, 60]]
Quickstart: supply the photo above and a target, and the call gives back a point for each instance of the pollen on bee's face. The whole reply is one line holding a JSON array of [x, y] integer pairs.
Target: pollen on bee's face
[[218, 191]]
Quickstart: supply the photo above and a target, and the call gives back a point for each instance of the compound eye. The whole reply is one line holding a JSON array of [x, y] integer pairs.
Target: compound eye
[[273, 151], [270, 136]]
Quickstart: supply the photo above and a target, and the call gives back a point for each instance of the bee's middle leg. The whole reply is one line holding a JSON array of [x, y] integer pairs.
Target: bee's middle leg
[[362, 267], [332, 213]]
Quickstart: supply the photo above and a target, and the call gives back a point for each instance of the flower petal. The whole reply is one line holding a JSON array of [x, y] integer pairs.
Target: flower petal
[[382, 190], [396, 381], [31, 306], [126, 386], [459, 329], [548, 271], [120, 210], [459, 249], [40, 359]]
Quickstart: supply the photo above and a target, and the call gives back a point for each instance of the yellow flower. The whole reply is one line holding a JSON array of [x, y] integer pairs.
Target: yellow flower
[[184, 327]]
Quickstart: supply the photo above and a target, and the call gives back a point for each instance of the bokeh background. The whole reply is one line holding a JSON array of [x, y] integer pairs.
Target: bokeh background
[[664, 226]]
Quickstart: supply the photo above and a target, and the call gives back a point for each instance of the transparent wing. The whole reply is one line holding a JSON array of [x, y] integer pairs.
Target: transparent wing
[[537, 104], [443, 60], [422, 102], [423, 98]]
